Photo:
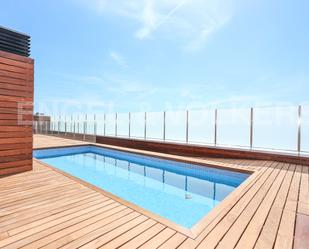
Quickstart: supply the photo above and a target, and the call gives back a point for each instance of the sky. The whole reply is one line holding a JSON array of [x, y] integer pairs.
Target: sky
[[151, 55]]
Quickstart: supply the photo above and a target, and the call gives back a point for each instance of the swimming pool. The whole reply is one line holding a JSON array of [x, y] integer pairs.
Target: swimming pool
[[180, 192]]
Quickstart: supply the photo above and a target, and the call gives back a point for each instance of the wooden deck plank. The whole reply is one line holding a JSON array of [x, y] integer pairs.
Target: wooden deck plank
[[82, 231], [19, 209], [116, 232], [98, 234], [129, 234], [19, 239], [268, 234], [143, 237], [258, 212], [285, 235], [108, 211], [303, 203], [51, 218], [158, 239], [31, 193], [37, 198], [174, 242], [18, 219]]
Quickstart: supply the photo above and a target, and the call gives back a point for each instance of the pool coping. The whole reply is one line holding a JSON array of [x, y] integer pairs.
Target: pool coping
[[200, 226]]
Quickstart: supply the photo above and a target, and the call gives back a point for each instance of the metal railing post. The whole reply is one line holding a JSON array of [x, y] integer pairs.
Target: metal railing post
[[104, 124], [85, 127], [145, 125], [187, 126], [52, 126], [216, 126], [94, 125], [299, 129], [251, 127], [129, 124], [164, 125], [65, 125], [74, 128], [59, 125], [116, 121], [78, 124], [71, 125]]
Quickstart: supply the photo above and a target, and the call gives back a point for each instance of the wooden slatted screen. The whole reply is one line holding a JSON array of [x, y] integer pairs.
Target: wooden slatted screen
[[16, 113]]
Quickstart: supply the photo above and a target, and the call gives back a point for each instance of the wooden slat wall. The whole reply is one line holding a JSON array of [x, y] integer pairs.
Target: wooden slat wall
[[16, 108], [199, 150]]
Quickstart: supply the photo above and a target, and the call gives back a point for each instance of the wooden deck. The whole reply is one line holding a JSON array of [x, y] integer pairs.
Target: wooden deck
[[46, 209]]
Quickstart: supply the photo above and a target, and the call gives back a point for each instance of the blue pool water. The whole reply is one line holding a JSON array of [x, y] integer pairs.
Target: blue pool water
[[180, 192]]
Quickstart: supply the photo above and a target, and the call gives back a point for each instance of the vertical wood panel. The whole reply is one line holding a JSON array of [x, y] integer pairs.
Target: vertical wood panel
[[16, 109]]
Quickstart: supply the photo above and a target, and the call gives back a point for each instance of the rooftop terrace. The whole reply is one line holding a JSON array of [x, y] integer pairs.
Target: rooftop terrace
[[48, 209]]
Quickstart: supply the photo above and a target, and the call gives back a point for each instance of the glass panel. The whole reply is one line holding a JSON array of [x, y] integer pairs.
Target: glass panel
[[53, 123], [100, 124], [233, 127], [74, 121], [176, 125], [67, 123], [110, 124], [56, 123], [73, 124], [201, 126], [90, 125], [137, 124], [305, 129], [155, 125], [76, 118], [42, 126], [62, 124], [80, 124], [123, 125], [275, 128]]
